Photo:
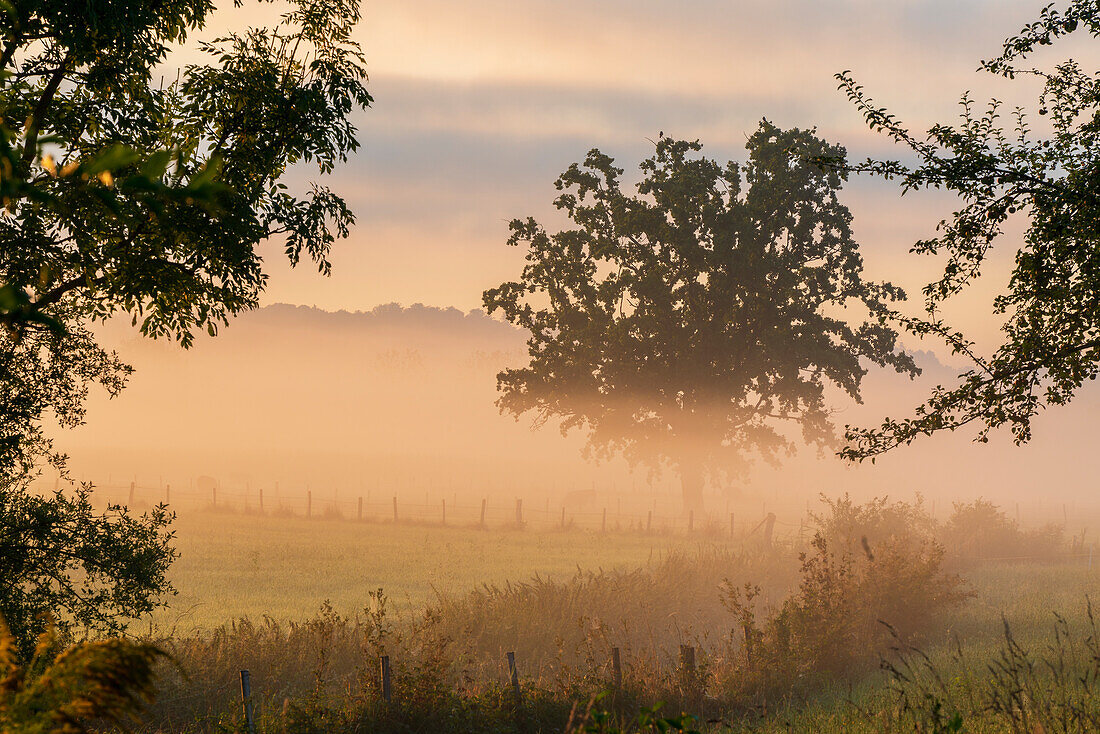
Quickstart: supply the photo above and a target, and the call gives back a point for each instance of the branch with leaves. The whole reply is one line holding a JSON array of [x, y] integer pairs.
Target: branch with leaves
[[1050, 310]]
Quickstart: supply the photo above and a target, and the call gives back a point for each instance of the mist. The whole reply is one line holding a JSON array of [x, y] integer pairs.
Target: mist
[[400, 401]]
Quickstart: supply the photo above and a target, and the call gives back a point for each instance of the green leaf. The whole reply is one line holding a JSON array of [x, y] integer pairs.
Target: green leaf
[[157, 164], [207, 175], [112, 159]]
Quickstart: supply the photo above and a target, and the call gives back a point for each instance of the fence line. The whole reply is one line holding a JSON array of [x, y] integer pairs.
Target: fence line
[[604, 514], [441, 510]]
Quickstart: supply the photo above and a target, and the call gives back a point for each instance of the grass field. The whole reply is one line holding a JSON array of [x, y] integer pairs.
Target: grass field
[[234, 566], [247, 566]]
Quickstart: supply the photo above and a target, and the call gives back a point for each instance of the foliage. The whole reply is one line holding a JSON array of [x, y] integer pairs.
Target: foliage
[[687, 324], [77, 690], [1049, 176], [850, 527], [122, 195], [593, 720], [980, 529], [833, 625], [91, 571]]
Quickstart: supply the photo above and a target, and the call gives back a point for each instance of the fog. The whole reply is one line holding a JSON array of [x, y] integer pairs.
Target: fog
[[399, 401]]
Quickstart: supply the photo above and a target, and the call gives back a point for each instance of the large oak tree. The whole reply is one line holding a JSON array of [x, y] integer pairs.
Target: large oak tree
[[688, 325]]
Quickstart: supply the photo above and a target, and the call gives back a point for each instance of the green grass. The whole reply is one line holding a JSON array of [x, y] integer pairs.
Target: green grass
[[233, 566], [1027, 596]]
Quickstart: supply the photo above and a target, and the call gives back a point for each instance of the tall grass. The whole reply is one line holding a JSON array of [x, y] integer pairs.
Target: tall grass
[[768, 632]]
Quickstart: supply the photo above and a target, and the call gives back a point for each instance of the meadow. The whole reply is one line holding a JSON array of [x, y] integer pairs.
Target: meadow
[[235, 565], [297, 602]]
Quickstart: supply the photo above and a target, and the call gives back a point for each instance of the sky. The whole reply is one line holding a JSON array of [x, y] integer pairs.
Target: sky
[[480, 105]]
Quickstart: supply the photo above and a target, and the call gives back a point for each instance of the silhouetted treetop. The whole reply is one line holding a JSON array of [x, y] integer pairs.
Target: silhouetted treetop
[[687, 323]]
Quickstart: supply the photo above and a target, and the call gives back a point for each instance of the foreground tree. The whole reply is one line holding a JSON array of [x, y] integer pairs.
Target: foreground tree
[[686, 325], [123, 194], [77, 690], [152, 197], [1051, 309]]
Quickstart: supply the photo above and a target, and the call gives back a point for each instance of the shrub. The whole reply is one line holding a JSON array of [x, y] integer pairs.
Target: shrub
[[75, 690], [836, 622], [981, 530], [847, 526]]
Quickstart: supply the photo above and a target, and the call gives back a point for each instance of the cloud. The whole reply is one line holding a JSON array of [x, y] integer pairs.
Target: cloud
[[480, 105]]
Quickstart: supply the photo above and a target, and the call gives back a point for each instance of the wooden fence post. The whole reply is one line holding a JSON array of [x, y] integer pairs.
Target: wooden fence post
[[513, 676], [687, 669], [395, 508], [769, 526], [687, 658], [563, 516], [616, 669], [261, 500], [603, 522], [246, 697], [483, 502], [384, 672]]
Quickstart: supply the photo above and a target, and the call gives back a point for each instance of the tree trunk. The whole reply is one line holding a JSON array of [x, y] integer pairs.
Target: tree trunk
[[691, 482]]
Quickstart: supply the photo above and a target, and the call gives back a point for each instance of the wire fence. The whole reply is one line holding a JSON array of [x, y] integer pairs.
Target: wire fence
[[593, 511], [585, 510]]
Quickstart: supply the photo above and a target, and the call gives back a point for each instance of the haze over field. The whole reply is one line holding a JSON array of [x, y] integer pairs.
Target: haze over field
[[402, 398], [469, 132]]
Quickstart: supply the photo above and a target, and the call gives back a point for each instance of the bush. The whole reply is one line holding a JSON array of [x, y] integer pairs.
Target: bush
[[980, 530], [75, 690], [847, 608], [849, 527]]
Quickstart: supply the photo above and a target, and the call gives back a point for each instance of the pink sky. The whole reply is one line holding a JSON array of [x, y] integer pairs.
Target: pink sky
[[479, 105]]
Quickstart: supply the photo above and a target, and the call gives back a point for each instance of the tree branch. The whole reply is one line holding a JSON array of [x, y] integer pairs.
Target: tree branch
[[30, 146]]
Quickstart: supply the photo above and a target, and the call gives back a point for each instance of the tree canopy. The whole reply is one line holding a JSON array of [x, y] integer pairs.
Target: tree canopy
[[1044, 169], [687, 324], [126, 194]]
